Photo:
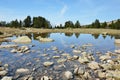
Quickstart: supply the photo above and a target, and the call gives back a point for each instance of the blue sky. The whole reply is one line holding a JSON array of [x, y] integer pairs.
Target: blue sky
[[59, 11]]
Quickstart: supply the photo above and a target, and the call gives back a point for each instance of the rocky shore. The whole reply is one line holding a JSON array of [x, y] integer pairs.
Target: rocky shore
[[82, 65], [52, 63]]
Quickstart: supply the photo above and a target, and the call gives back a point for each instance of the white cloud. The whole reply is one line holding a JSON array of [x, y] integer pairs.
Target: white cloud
[[63, 10]]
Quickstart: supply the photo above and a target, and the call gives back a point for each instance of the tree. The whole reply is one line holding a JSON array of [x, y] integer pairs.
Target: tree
[[41, 22], [104, 25], [69, 24], [3, 23], [97, 24], [14, 23], [20, 24], [27, 22], [77, 24]]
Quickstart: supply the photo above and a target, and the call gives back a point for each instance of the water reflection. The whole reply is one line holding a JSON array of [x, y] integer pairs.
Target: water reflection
[[96, 36], [69, 34]]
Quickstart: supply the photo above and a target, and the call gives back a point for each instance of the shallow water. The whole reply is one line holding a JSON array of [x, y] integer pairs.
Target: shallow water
[[35, 58]]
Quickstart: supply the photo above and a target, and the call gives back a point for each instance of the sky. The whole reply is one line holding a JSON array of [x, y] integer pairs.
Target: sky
[[60, 11]]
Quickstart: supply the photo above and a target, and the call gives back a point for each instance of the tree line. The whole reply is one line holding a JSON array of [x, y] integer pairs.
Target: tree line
[[41, 22], [35, 22]]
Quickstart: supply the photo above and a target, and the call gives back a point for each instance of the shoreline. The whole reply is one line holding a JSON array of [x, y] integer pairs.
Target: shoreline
[[13, 31]]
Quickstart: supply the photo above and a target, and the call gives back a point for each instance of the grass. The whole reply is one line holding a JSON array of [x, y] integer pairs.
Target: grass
[[36, 30]]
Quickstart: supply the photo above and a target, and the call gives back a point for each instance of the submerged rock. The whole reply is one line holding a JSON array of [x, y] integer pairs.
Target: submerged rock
[[7, 78], [22, 49], [113, 74], [83, 60], [48, 64], [104, 57], [79, 70], [61, 60], [93, 65], [67, 75], [23, 39], [3, 73], [44, 39], [76, 51], [8, 46], [22, 70]]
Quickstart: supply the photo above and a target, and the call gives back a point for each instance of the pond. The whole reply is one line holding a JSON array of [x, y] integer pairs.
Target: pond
[[42, 52]]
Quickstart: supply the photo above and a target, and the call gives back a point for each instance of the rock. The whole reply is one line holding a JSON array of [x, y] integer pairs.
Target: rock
[[93, 65], [117, 51], [54, 48], [106, 66], [79, 70], [56, 57], [45, 39], [65, 54], [3, 73], [87, 76], [46, 78], [83, 60], [22, 70], [110, 62], [22, 39], [75, 57], [72, 46], [113, 74], [7, 78], [2, 68], [104, 57], [23, 49], [87, 45], [8, 46], [117, 41], [48, 64], [101, 74], [76, 51], [13, 51], [6, 65], [67, 75], [61, 60]]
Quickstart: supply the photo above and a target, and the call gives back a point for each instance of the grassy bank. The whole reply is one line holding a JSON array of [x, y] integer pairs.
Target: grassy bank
[[80, 30]]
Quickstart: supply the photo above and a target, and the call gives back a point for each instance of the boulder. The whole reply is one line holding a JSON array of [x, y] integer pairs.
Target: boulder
[[104, 57], [93, 65], [106, 66], [3, 73], [117, 41], [76, 51], [83, 59], [48, 64], [75, 57], [7, 78], [79, 70], [113, 74], [55, 57], [23, 39], [67, 75], [44, 39], [61, 60], [101, 74], [22, 70]]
